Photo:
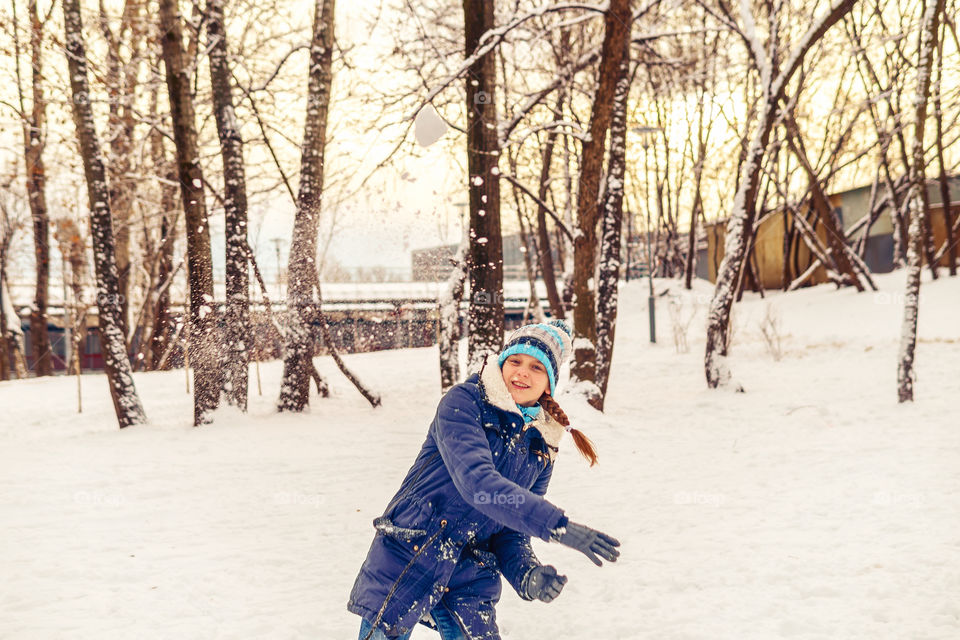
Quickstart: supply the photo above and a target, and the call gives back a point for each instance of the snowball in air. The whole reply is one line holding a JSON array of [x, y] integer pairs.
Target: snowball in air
[[429, 126]]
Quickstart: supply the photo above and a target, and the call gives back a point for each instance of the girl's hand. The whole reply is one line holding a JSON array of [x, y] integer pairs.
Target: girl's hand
[[587, 541], [543, 583]]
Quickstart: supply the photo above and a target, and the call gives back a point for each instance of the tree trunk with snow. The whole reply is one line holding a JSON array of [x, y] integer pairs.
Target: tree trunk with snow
[[116, 364], [122, 85], [235, 357], [740, 229], [612, 226], [448, 324], [203, 337], [34, 142], [919, 207], [583, 367], [485, 324], [302, 268]]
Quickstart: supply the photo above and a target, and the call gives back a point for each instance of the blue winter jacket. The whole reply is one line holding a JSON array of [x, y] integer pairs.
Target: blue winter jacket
[[464, 513]]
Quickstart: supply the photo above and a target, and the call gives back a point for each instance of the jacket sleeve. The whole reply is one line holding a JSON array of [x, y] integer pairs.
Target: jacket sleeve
[[466, 454], [514, 554]]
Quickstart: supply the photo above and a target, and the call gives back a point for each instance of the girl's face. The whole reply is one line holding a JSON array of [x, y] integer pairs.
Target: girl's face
[[526, 378]]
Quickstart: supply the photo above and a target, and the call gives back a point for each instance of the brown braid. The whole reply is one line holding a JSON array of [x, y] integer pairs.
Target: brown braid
[[584, 445]]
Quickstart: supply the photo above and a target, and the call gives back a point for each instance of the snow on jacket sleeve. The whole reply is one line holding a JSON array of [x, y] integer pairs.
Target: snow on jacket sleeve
[[512, 548], [466, 454]]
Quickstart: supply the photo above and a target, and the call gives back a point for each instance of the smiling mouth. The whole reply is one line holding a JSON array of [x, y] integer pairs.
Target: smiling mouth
[[519, 386]]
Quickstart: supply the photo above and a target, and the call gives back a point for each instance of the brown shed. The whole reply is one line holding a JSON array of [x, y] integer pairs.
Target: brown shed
[[851, 206], [768, 250]]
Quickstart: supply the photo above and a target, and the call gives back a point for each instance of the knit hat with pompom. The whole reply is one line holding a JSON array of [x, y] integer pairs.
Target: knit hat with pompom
[[548, 342]]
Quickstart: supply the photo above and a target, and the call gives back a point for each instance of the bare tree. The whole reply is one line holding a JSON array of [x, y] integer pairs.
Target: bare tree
[[203, 346], [302, 270], [236, 355], [122, 79], [774, 78], [485, 314], [919, 206], [126, 402], [617, 22], [34, 142], [612, 224]]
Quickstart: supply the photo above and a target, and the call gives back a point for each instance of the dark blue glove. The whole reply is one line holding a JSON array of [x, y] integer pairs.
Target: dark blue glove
[[543, 583], [587, 541]]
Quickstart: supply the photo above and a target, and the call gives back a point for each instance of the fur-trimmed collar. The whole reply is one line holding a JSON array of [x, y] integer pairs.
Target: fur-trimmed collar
[[497, 394]]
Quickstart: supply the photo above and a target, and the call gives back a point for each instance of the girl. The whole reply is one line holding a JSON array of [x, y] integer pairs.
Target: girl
[[467, 508]]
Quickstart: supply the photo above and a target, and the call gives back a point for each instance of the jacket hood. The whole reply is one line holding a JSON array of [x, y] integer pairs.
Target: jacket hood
[[496, 393]]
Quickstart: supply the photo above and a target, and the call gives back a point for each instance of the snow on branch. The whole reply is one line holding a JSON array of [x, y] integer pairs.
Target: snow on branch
[[493, 37], [819, 27], [749, 35], [564, 77]]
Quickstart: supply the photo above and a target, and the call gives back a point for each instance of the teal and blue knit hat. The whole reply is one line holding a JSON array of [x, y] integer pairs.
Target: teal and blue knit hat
[[549, 342]]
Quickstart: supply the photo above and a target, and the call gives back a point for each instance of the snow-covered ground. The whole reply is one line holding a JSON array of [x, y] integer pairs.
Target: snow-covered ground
[[811, 506]]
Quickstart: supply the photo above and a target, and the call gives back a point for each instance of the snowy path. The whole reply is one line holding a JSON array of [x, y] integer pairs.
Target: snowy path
[[812, 506]]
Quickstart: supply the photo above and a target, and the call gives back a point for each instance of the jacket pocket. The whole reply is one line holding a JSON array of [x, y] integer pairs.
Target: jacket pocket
[[411, 513]]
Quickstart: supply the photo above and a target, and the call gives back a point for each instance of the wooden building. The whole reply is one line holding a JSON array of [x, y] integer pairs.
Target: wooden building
[[777, 236]]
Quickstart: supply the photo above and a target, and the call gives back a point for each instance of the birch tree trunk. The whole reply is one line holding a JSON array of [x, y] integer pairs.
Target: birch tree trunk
[[485, 324], [122, 84], [116, 363], [919, 207], [203, 345], [235, 353], [583, 367], [34, 141], [611, 228], [302, 268]]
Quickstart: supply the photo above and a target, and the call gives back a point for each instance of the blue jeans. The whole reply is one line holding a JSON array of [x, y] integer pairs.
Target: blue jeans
[[447, 624]]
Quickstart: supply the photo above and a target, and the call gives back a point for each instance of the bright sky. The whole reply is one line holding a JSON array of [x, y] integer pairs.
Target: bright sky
[[404, 206]]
